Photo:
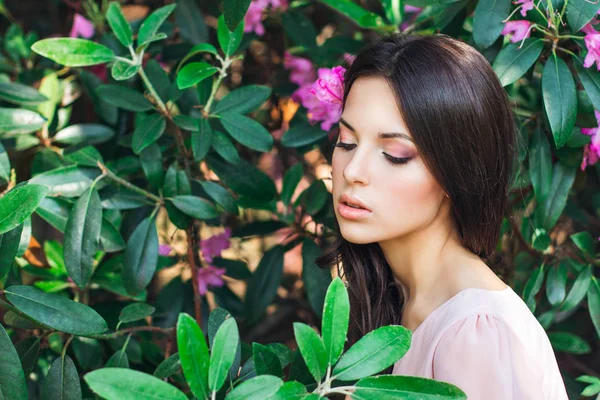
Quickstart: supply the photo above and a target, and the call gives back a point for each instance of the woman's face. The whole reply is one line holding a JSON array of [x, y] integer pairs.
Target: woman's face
[[385, 173]]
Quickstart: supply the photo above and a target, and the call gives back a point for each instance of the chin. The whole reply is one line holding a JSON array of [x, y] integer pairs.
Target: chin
[[356, 234]]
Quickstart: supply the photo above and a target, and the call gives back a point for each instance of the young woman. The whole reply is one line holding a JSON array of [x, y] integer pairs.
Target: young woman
[[421, 171]]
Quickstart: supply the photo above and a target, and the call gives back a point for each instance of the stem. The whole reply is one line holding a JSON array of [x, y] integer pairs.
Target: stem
[[114, 177], [214, 395], [126, 60], [192, 263], [152, 91], [64, 350], [222, 74], [131, 330]]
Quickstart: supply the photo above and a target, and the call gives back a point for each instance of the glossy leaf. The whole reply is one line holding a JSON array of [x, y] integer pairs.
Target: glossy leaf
[[141, 257], [243, 100], [195, 207], [553, 205], [152, 164], [234, 11], [540, 165], [569, 343], [312, 348], [262, 288], [201, 140], [86, 156], [62, 381], [148, 130], [578, 290], [153, 22], [244, 179], [168, 367], [373, 353], [387, 387], [247, 131], [223, 353], [221, 196], [364, 18], [124, 97], [118, 24], [291, 179], [580, 12], [135, 312], [129, 384], [82, 236], [14, 121], [265, 361], [291, 390], [84, 133], [488, 21], [560, 99], [257, 388], [556, 283], [73, 52], [533, 286], [70, 181], [122, 70], [593, 297], [302, 135], [316, 279], [229, 40], [190, 21], [224, 147], [193, 353], [193, 73], [56, 311], [336, 316], [9, 244], [20, 94], [590, 79], [18, 204], [4, 164], [514, 60], [12, 378]]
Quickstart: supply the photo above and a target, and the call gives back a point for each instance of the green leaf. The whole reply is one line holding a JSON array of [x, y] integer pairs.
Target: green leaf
[[560, 99], [556, 283], [152, 23], [9, 245], [224, 147], [257, 388], [14, 121], [364, 18], [73, 52], [316, 279], [312, 348], [303, 135], [4, 164], [118, 360], [62, 381], [82, 235], [135, 312], [578, 290], [56, 311], [593, 297], [291, 390], [124, 97], [84, 133], [387, 387], [244, 179], [514, 60], [193, 353], [533, 286], [580, 12], [373, 353], [119, 24], [336, 315], [487, 21], [20, 94], [197, 49], [122, 70], [584, 242], [152, 164], [540, 240], [193, 73], [86, 156], [262, 288], [141, 257], [234, 12], [18, 204], [176, 183], [195, 207], [553, 205], [168, 367], [69, 181], [129, 384], [568, 343], [148, 130], [266, 361], [190, 21], [300, 29], [201, 140], [221, 196], [186, 122], [229, 40], [234, 268], [314, 197], [247, 131], [540, 165], [243, 100], [223, 353], [291, 179], [590, 79], [12, 378]]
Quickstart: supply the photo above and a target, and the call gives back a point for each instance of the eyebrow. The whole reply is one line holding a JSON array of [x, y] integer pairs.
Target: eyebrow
[[383, 135]]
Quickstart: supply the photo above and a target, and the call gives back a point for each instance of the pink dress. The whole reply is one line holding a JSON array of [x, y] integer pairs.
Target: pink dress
[[489, 344]]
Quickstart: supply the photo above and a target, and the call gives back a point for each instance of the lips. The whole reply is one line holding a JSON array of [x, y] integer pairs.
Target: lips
[[353, 201]]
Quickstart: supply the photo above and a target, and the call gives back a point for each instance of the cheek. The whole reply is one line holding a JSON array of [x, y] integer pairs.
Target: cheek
[[411, 190]]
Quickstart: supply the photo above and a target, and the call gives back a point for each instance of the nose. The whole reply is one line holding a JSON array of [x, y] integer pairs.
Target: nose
[[356, 171]]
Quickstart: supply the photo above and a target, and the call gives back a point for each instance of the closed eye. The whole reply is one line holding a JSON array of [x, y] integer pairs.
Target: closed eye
[[390, 159]]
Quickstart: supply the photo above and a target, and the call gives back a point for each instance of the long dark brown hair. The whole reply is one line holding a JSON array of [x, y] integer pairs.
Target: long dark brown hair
[[461, 122]]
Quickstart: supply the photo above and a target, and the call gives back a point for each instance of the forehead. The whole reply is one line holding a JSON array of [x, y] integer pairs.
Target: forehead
[[371, 105]]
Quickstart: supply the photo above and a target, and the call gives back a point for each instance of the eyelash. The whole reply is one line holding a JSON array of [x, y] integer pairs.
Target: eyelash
[[390, 159]]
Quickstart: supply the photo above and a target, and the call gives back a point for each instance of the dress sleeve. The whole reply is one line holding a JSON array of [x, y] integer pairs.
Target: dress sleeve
[[482, 356]]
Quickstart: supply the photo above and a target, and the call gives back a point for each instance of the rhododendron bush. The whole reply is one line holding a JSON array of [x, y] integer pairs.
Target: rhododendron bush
[[166, 190]]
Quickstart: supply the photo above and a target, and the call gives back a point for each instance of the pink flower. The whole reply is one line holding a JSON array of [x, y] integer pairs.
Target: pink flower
[[592, 42], [527, 5], [591, 151], [330, 85], [518, 30], [254, 15], [214, 245], [408, 9], [317, 110], [209, 275], [164, 249], [81, 27], [301, 69], [349, 58]]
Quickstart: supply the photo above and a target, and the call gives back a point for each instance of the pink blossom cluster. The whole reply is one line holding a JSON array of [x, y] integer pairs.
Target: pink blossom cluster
[[591, 151], [321, 97], [81, 27], [254, 16]]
